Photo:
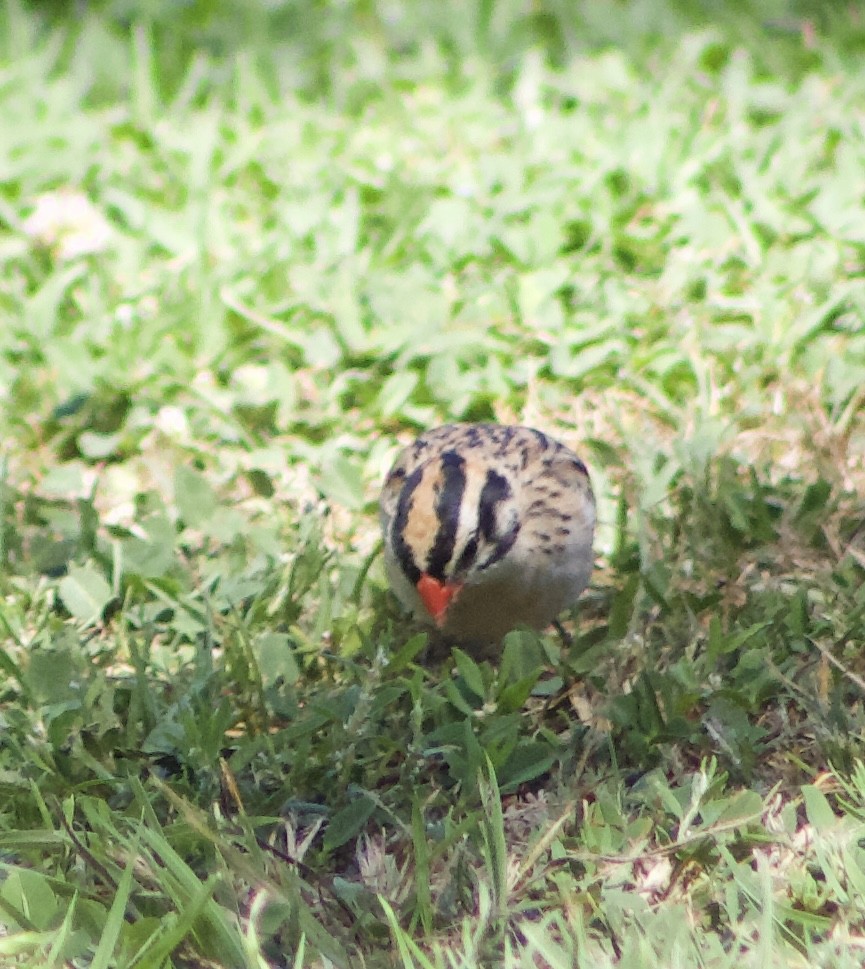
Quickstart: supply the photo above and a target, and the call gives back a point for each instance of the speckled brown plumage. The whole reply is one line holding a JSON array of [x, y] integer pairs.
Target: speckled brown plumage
[[487, 527]]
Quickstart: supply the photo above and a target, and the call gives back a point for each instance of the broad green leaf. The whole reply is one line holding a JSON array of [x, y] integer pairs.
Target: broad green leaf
[[85, 593], [470, 673], [348, 822], [98, 446], [276, 659], [64, 480], [401, 659], [341, 481], [196, 500], [819, 812]]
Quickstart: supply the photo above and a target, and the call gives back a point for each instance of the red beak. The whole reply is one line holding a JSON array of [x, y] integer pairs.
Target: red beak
[[436, 596]]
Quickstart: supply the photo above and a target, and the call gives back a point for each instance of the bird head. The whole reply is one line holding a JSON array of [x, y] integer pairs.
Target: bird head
[[448, 519]]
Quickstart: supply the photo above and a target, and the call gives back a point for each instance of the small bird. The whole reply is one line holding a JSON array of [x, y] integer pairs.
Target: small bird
[[487, 527]]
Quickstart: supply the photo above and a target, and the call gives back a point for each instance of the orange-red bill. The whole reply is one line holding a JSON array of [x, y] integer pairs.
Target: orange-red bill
[[436, 595]]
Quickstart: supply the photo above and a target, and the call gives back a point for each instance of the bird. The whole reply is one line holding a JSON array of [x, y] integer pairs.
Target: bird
[[486, 528]]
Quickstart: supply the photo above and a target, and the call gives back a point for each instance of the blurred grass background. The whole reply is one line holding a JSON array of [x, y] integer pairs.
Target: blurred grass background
[[247, 249]]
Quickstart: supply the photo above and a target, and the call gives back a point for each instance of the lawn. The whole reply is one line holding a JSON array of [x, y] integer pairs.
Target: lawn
[[247, 251]]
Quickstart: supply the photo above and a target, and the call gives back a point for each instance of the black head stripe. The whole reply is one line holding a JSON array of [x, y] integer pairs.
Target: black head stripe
[[401, 550], [495, 490], [578, 464], [450, 499], [541, 439], [467, 558]]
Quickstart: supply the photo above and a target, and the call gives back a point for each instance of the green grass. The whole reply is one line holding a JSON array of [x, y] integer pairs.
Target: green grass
[[246, 250]]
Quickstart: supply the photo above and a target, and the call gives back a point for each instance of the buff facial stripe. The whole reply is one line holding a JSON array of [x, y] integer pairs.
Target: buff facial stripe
[[495, 490], [448, 507]]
